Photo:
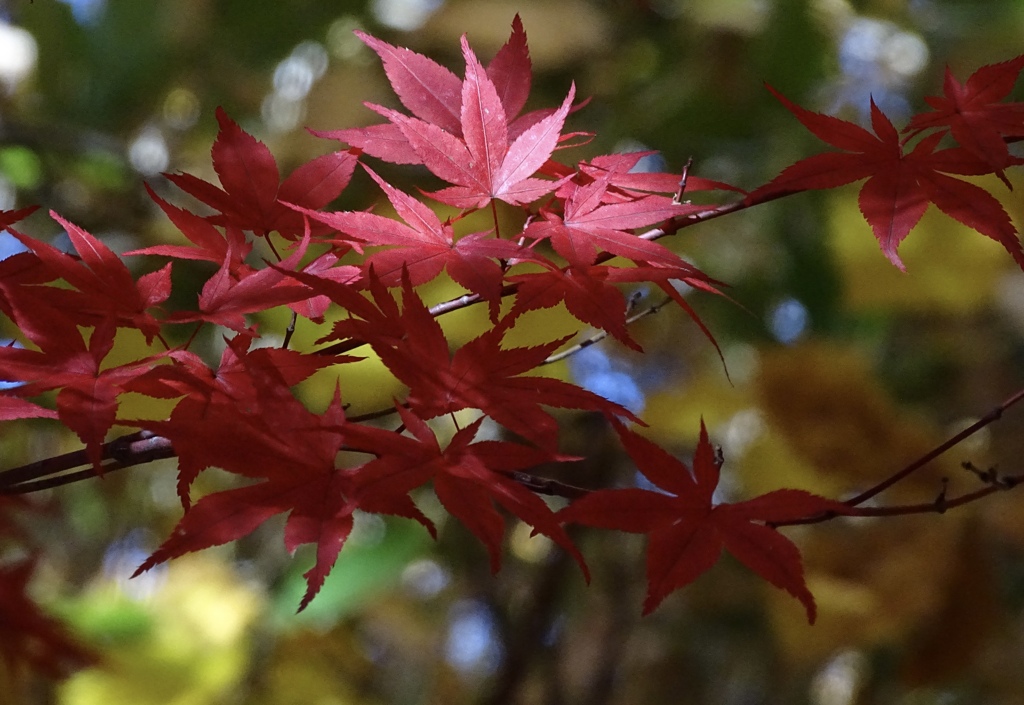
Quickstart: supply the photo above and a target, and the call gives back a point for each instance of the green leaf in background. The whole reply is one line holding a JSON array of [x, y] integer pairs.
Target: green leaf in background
[[21, 166]]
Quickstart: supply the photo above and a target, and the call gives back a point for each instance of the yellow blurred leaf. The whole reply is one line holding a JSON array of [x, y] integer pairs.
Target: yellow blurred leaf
[[195, 651], [951, 269]]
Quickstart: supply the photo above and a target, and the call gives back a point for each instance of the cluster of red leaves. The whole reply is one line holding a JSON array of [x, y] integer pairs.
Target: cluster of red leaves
[[580, 242], [901, 181]]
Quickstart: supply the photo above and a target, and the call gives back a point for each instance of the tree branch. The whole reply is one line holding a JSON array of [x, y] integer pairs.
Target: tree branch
[[993, 415], [124, 452]]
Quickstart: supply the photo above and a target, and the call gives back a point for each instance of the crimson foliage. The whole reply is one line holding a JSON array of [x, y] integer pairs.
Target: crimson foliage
[[582, 237]]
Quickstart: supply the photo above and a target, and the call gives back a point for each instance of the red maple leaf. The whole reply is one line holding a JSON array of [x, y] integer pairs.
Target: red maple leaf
[[87, 400], [482, 375], [211, 246], [16, 408], [253, 187], [104, 286], [266, 434], [585, 290], [972, 113], [326, 267], [461, 131], [213, 399], [479, 375], [378, 320], [296, 451], [595, 220], [468, 478], [483, 164], [28, 636], [900, 185], [226, 298], [433, 94], [9, 218], [687, 530], [621, 169], [22, 268], [424, 247], [589, 293]]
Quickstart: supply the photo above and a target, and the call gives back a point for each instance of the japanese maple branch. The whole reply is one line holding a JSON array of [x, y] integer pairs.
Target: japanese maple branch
[[124, 452], [556, 357], [993, 484], [941, 503], [993, 415], [466, 300], [602, 334], [143, 446]]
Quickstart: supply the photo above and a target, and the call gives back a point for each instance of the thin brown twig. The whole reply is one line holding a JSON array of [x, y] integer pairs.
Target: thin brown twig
[[994, 415], [600, 335], [127, 451], [940, 505]]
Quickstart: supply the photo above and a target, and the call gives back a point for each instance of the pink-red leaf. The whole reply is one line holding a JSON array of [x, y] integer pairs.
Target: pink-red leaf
[[687, 530], [15, 408], [972, 112], [900, 184], [252, 188], [430, 91]]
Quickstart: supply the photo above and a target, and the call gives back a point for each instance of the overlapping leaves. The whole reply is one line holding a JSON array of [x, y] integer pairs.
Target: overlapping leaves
[[582, 240], [901, 183]]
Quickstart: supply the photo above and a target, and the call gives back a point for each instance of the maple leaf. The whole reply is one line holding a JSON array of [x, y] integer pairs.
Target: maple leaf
[[461, 131], [481, 375], [23, 268], [589, 293], [28, 636], [585, 291], [972, 114], [266, 434], [483, 165], [687, 531], [620, 169], [213, 399], [86, 402], [326, 267], [468, 478], [16, 408], [425, 247], [590, 225], [10, 217], [225, 299], [104, 285], [296, 454], [252, 186], [899, 185], [433, 94], [377, 320], [211, 246]]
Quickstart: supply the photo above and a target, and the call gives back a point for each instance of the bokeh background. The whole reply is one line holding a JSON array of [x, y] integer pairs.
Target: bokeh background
[[842, 369]]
